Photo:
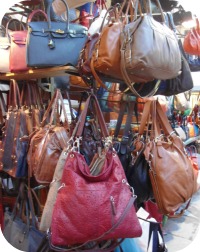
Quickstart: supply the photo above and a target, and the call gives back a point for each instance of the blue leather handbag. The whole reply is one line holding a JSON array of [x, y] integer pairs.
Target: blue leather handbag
[[51, 43]]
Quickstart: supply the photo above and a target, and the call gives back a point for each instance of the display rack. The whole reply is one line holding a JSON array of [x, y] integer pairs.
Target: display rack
[[40, 73]]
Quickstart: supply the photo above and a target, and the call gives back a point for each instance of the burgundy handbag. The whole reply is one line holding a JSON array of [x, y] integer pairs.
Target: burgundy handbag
[[93, 208], [18, 47]]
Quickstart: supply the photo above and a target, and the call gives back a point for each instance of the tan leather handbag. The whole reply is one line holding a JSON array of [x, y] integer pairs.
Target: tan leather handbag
[[191, 42], [106, 57], [171, 172], [149, 49], [47, 142]]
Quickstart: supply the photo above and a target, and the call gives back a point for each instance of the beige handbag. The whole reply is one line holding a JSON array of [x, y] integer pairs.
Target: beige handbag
[[45, 222], [149, 49], [4, 53]]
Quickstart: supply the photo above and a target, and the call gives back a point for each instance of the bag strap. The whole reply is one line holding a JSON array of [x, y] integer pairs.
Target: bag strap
[[53, 105], [36, 12], [14, 95], [78, 131]]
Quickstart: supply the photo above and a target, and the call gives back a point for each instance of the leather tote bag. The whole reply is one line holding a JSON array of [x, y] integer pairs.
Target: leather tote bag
[[170, 168], [15, 129], [60, 43], [146, 46], [47, 142], [101, 194], [191, 42], [18, 40]]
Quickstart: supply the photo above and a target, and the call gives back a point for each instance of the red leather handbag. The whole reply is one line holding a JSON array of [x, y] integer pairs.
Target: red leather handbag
[[18, 47], [93, 208]]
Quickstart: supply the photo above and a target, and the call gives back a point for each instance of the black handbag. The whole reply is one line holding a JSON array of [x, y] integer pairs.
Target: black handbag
[[59, 43]]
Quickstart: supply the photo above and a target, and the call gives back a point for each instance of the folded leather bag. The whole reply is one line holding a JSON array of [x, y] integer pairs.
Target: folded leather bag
[[172, 175], [60, 43], [106, 196], [47, 142], [149, 49], [191, 42]]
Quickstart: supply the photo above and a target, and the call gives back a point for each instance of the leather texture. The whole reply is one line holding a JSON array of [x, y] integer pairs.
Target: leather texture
[[107, 198], [137, 173], [60, 43], [159, 50], [18, 51], [106, 54], [47, 143], [171, 173], [191, 42], [86, 55], [181, 83], [15, 129]]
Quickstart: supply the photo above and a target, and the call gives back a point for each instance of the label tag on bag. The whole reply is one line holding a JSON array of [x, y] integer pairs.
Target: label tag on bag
[[142, 213]]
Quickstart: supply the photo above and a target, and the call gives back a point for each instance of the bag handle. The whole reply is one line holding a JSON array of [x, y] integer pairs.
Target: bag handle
[[78, 131], [35, 12], [53, 105], [14, 95]]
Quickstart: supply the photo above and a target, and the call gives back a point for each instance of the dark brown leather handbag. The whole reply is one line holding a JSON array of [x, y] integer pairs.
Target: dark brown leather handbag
[[149, 49], [15, 129], [47, 142], [172, 175]]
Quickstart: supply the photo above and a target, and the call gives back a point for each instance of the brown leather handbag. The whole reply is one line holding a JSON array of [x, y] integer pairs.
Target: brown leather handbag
[[191, 42], [15, 128], [47, 142], [149, 49], [172, 175], [106, 54]]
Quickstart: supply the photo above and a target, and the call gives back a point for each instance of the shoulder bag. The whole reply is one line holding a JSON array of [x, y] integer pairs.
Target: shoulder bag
[[47, 142], [159, 49], [15, 129], [170, 168], [60, 43], [101, 195]]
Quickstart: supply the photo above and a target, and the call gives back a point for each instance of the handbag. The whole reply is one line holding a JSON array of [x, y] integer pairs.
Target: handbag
[[46, 217], [160, 52], [191, 42], [15, 129], [20, 230], [47, 142], [112, 218], [4, 51], [18, 42], [166, 156], [60, 43], [106, 54]]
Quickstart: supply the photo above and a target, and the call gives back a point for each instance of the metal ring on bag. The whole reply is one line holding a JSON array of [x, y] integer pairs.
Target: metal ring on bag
[[71, 155]]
